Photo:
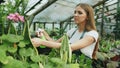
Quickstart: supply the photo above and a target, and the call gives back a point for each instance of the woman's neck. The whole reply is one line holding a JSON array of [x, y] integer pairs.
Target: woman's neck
[[81, 27]]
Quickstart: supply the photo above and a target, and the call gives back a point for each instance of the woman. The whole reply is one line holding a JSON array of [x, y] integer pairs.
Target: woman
[[82, 38]]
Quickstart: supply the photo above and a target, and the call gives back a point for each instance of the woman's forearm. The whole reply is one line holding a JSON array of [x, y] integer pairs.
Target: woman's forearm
[[51, 44], [59, 40], [47, 36]]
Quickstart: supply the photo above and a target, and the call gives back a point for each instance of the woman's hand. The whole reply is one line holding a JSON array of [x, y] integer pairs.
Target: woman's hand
[[39, 32], [36, 42]]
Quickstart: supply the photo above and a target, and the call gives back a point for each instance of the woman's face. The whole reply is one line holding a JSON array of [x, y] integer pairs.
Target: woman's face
[[80, 15]]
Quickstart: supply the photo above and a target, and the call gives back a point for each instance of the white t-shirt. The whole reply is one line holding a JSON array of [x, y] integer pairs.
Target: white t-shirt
[[88, 51]]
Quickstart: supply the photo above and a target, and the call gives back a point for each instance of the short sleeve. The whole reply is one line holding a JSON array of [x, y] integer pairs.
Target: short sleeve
[[88, 51], [94, 34]]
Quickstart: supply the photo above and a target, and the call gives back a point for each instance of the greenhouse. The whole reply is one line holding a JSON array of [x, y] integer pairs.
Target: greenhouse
[[59, 34]]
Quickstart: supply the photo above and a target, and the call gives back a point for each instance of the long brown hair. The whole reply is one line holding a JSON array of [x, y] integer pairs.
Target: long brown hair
[[90, 25]]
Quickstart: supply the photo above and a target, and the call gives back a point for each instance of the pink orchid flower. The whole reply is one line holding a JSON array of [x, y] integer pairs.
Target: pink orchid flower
[[16, 17]]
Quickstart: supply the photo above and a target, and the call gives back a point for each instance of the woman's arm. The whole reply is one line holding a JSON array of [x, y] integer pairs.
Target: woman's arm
[[59, 40], [37, 42], [86, 41], [49, 38]]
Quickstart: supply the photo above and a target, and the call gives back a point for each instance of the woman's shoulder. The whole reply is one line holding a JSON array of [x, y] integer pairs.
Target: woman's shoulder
[[93, 33]]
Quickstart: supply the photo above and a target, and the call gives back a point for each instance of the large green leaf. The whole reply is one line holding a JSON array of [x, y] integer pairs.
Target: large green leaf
[[35, 58], [30, 52], [21, 44], [22, 52], [72, 65], [26, 52], [3, 56], [14, 64], [4, 37], [65, 50], [101, 56], [12, 49], [35, 65], [57, 61], [12, 38], [3, 47]]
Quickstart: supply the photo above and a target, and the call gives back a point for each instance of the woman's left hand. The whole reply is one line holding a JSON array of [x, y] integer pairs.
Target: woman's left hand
[[36, 41]]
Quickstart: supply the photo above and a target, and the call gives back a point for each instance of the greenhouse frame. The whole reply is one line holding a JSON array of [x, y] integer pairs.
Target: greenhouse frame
[[35, 34]]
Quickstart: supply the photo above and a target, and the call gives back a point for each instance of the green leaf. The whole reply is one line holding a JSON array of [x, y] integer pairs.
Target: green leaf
[[14, 64], [3, 56], [72, 65], [12, 49], [111, 54], [21, 44], [13, 38], [35, 58], [20, 37], [2, 53], [3, 47], [4, 37], [30, 52], [26, 52], [22, 52], [35, 65], [100, 56], [26, 41], [57, 61], [5, 60], [65, 51]]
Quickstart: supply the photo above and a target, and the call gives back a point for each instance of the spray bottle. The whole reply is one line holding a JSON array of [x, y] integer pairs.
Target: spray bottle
[[41, 36]]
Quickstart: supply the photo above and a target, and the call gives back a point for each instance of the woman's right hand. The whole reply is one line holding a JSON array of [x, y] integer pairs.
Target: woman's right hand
[[36, 42], [39, 32]]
